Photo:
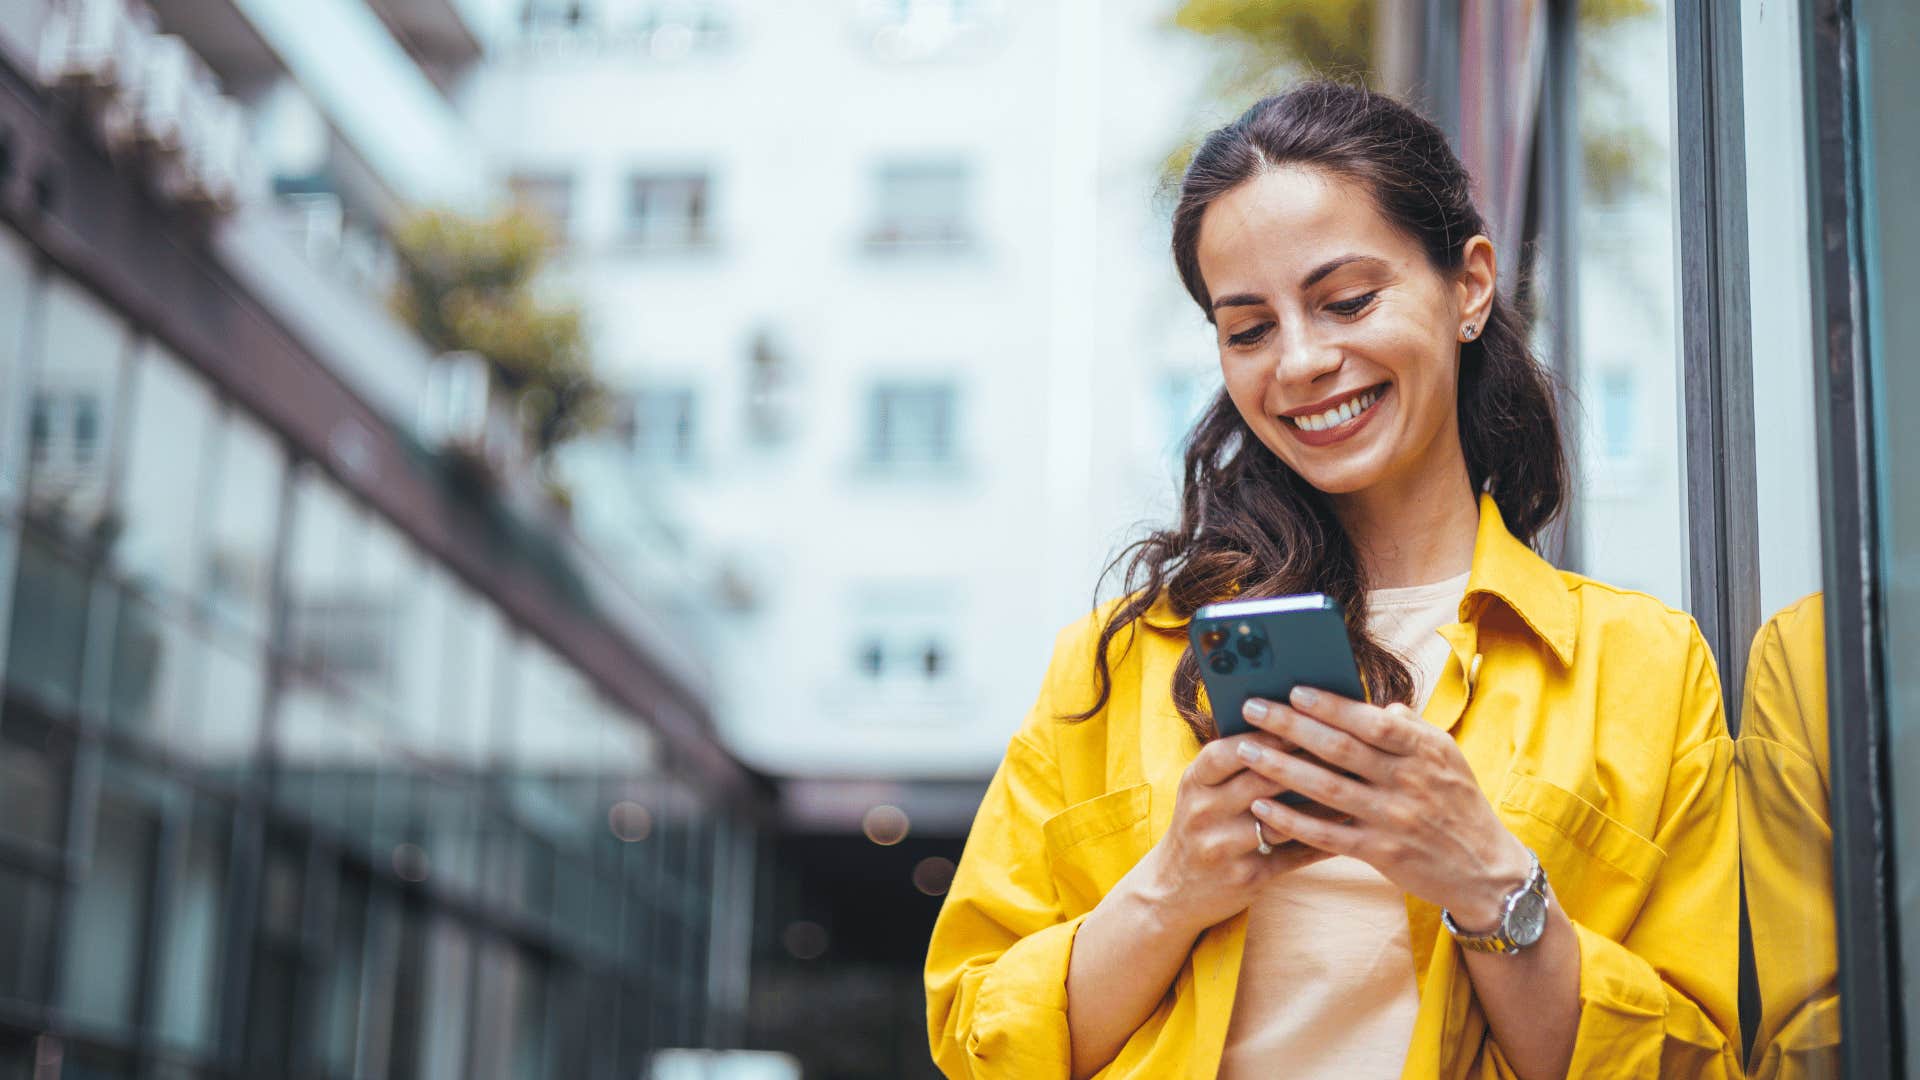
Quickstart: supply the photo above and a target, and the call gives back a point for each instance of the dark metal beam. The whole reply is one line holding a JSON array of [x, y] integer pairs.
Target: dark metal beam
[[1872, 1047], [1710, 207]]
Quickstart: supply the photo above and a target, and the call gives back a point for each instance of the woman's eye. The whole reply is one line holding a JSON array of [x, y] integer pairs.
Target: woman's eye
[[1249, 336], [1353, 306]]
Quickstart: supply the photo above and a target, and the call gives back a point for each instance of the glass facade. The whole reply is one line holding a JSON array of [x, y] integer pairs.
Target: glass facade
[[280, 793]]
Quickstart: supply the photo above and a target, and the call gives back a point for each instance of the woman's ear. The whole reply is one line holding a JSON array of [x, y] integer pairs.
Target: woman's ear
[[1475, 283]]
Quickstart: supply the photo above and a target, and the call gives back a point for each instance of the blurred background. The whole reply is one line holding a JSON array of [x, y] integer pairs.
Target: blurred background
[[526, 525]]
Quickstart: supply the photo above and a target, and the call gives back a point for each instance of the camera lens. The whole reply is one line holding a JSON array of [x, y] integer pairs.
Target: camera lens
[[1222, 663], [1213, 638], [1251, 647]]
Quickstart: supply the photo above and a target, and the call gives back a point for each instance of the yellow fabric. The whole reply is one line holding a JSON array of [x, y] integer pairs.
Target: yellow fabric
[[1786, 845], [1595, 727]]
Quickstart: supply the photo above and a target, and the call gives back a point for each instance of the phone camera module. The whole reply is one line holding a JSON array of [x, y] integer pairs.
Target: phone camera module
[[1251, 646], [1213, 638], [1223, 663]]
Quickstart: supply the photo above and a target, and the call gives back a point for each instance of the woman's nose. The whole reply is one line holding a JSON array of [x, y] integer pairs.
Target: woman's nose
[[1303, 357]]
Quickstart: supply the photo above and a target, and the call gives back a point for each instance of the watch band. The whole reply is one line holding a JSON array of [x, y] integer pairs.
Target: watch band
[[1529, 899]]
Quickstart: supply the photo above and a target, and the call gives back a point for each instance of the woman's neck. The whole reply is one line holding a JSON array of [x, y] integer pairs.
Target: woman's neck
[[1415, 531]]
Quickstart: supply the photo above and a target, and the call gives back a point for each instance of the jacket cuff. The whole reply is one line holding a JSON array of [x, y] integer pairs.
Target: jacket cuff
[[1020, 1024], [1623, 1011]]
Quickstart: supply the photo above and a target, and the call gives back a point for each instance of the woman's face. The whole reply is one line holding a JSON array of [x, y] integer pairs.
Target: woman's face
[[1338, 339]]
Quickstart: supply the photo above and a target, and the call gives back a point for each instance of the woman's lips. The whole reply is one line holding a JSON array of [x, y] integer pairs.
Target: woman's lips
[[1343, 430]]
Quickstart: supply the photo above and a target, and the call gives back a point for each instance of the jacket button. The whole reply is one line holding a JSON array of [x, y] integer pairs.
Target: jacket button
[[1473, 672]]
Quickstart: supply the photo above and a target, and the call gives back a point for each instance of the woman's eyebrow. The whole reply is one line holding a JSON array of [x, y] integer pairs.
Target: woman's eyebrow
[[1328, 267], [1313, 277]]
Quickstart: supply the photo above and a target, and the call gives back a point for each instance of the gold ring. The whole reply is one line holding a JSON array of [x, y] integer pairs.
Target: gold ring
[[1260, 835]]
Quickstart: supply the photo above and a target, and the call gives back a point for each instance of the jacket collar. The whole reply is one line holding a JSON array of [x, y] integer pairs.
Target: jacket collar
[[1509, 570]]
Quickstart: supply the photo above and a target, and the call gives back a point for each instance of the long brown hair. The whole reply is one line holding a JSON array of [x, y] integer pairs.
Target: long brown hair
[[1250, 525]]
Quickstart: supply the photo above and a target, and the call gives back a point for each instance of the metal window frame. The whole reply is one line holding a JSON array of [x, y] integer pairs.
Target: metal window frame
[[1715, 328], [1865, 916]]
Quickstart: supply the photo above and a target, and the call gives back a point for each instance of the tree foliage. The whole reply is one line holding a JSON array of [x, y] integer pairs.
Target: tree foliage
[[468, 284], [1268, 41]]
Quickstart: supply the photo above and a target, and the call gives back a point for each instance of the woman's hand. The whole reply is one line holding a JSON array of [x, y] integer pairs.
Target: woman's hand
[[1208, 866], [1416, 813]]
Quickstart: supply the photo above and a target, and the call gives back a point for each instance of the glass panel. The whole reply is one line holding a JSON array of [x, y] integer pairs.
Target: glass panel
[[16, 293], [420, 644], [165, 474], [1626, 423], [190, 942], [498, 991], [337, 633], [450, 990], [227, 728], [478, 665], [276, 959], [36, 764], [410, 1006], [73, 410], [105, 942], [1887, 37], [385, 562], [158, 669], [47, 637], [335, 625], [345, 964], [1781, 756], [246, 511], [24, 933]]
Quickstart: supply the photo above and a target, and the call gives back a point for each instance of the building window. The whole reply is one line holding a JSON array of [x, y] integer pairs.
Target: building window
[[903, 658], [548, 196], [64, 429], [86, 429], [553, 15], [921, 205], [907, 30], [911, 424], [659, 29], [669, 211], [40, 437], [657, 425]]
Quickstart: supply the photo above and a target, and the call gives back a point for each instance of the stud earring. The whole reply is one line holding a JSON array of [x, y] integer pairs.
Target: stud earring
[[1468, 330]]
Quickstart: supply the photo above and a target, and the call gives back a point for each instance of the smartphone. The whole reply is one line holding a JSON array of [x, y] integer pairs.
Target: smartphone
[[1264, 648]]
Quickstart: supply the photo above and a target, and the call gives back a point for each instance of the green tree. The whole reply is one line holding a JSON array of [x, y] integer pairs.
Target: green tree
[[468, 284], [1266, 39], [1266, 43]]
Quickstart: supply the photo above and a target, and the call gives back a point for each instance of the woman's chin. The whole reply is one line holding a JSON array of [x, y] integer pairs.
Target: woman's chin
[[1342, 477]]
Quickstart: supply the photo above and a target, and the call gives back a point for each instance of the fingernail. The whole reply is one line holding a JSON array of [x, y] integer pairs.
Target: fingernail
[[1305, 696], [1254, 709], [1251, 753], [1263, 807]]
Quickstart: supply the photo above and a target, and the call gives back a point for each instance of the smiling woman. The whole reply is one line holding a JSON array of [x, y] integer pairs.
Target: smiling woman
[[1533, 875]]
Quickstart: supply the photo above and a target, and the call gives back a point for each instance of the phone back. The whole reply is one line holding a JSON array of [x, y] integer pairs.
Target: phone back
[[1264, 648]]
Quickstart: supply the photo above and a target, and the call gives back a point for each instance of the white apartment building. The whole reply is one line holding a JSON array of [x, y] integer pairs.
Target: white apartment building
[[886, 288]]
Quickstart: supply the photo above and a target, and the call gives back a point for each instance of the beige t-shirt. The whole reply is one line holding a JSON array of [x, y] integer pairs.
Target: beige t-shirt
[[1326, 982]]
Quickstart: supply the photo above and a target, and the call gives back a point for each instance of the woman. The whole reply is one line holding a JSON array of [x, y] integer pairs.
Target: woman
[[1134, 902]]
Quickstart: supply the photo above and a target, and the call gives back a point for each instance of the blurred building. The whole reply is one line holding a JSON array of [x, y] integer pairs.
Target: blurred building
[[316, 758], [884, 288]]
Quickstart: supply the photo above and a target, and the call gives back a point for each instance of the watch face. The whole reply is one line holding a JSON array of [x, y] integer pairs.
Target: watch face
[[1528, 919]]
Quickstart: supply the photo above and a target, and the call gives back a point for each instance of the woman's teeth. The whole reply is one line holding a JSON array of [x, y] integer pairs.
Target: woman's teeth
[[1339, 414]]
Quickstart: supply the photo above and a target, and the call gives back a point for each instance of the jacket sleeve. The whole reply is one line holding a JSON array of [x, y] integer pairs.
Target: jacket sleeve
[[996, 973], [1662, 1000]]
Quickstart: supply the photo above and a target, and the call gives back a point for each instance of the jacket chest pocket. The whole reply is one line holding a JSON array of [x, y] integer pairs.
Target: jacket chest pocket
[[1092, 844], [1593, 861]]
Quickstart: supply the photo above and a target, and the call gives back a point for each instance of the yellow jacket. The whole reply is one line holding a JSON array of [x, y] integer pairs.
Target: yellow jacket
[[1786, 845], [1592, 717]]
